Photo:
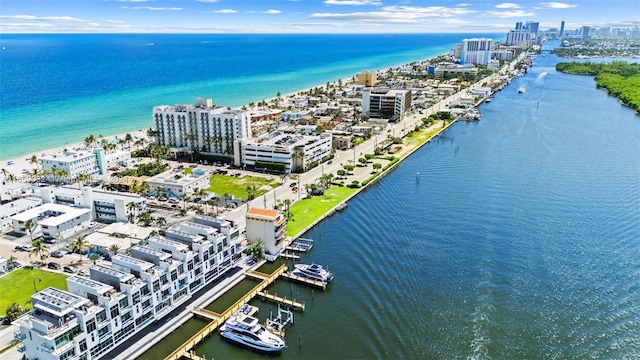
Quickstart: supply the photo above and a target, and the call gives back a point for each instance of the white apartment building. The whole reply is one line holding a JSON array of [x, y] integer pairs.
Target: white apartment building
[[476, 51], [519, 38], [15, 207], [104, 206], [385, 103], [271, 227], [204, 128], [294, 151], [98, 313], [178, 184], [95, 162], [52, 219]]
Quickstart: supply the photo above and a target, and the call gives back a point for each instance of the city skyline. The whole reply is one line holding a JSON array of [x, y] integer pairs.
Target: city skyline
[[305, 16]]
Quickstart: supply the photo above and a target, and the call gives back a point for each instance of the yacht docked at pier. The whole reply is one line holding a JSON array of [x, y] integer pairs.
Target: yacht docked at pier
[[245, 330], [313, 272]]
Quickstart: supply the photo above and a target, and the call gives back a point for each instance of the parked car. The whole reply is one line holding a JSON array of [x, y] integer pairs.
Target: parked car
[[293, 184], [27, 248], [84, 272], [57, 254], [70, 269], [19, 248], [54, 265], [50, 241]]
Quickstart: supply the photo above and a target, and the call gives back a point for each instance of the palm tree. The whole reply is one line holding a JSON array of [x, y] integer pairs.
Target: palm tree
[[83, 178], [89, 140], [215, 201], [128, 139], [94, 257], [40, 249], [160, 221], [33, 160], [184, 198], [79, 244], [29, 226], [143, 188], [114, 249]]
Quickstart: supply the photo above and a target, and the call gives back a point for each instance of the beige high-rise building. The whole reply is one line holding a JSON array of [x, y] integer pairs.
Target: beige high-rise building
[[367, 78]]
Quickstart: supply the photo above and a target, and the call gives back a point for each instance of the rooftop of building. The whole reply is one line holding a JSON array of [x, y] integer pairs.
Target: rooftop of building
[[264, 213], [65, 213], [168, 178], [287, 141], [97, 195], [17, 206], [69, 156], [57, 302]]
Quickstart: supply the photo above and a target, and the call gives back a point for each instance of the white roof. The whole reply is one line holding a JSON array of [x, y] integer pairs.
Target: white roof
[[66, 213]]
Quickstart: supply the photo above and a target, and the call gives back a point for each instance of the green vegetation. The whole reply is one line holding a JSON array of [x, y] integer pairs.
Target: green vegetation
[[18, 285], [240, 187], [619, 78], [308, 210]]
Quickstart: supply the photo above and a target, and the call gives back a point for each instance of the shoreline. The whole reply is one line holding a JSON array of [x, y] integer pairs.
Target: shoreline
[[20, 162]]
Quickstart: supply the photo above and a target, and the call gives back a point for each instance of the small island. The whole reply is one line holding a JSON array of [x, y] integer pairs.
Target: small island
[[621, 79]]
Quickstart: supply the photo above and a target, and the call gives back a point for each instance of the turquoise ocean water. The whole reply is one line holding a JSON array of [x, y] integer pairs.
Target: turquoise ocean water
[[58, 89]]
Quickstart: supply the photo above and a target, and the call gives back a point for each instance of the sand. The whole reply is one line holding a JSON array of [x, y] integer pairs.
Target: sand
[[17, 165]]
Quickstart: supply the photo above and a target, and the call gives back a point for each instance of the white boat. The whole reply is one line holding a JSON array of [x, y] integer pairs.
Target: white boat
[[521, 89], [245, 330], [312, 272]]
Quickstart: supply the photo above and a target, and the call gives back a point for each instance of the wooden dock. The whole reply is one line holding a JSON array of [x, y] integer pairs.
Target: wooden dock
[[185, 349], [207, 314], [282, 300], [300, 279]]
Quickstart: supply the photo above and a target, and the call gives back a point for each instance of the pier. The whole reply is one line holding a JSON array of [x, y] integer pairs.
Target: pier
[[282, 300], [300, 279], [300, 244], [218, 319]]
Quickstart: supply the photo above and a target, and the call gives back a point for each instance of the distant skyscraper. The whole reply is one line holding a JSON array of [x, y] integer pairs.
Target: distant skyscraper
[[532, 26], [562, 29], [585, 31], [519, 25]]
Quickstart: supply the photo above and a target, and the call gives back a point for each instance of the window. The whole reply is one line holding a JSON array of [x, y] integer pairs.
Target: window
[[124, 303], [102, 316], [114, 311], [91, 326]]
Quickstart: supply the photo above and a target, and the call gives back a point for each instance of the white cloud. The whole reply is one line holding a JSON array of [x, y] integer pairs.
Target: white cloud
[[464, 5], [133, 1], [151, 8], [353, 2], [272, 11], [400, 14], [208, 1], [41, 18], [225, 11], [508, 6], [507, 14], [557, 5], [114, 21]]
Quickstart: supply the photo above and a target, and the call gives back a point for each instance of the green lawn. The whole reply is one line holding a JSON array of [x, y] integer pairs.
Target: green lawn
[[237, 186], [309, 210], [17, 286]]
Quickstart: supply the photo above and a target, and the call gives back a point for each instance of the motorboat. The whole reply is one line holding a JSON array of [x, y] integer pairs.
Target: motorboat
[[245, 330], [312, 272], [521, 89]]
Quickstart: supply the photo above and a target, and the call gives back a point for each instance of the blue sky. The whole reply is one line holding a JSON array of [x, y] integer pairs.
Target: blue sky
[[306, 16]]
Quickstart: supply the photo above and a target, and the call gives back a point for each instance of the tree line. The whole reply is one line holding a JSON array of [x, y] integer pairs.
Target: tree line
[[621, 79]]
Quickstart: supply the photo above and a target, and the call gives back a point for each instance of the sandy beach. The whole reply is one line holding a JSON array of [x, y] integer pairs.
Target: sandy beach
[[17, 166]]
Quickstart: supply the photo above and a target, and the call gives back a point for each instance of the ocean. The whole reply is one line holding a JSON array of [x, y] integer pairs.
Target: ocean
[[57, 89]]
